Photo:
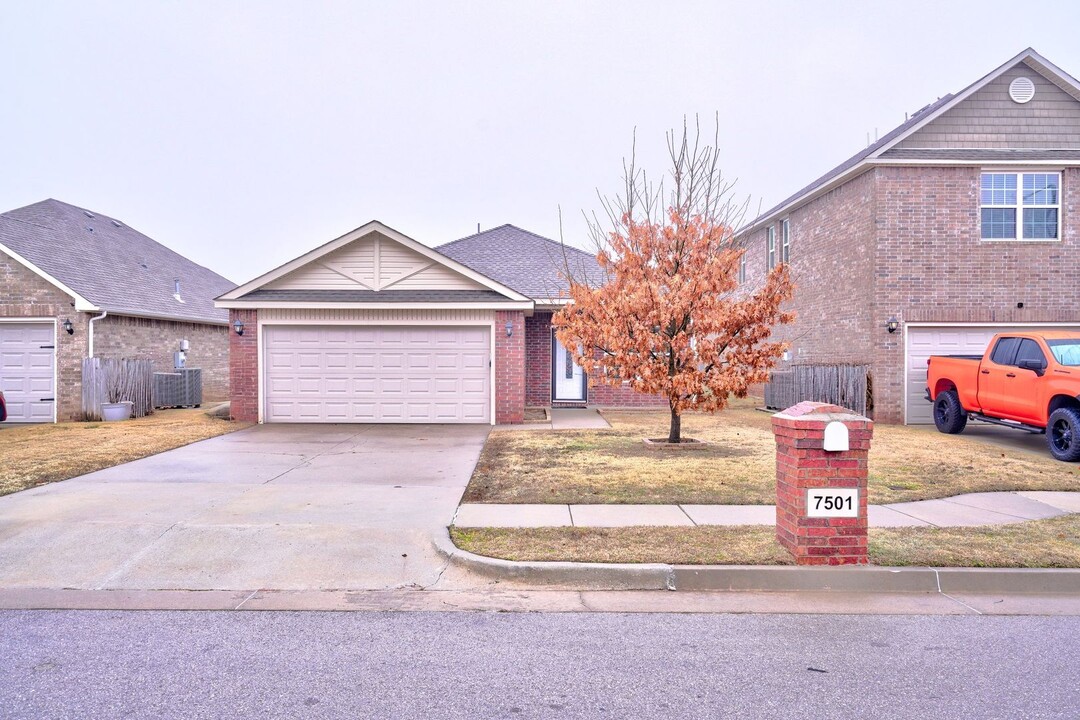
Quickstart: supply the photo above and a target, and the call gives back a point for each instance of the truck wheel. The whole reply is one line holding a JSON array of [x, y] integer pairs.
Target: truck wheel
[[1063, 434], [949, 415]]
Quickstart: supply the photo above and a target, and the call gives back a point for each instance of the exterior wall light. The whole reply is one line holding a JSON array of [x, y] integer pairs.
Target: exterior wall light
[[509, 329], [68, 327], [238, 326], [892, 325]]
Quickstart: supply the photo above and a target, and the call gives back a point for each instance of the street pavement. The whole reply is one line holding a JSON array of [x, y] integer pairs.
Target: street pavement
[[72, 664]]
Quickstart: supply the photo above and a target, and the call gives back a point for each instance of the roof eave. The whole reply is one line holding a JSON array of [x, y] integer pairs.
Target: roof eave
[[836, 182], [81, 303], [161, 316], [241, 304]]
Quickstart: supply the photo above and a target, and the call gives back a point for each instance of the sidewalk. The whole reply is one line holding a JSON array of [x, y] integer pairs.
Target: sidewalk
[[974, 509]]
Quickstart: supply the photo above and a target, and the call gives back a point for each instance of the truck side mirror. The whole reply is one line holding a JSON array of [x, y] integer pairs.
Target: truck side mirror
[[1038, 366]]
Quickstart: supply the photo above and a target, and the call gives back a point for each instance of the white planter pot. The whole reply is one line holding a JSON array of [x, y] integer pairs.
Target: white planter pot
[[111, 412]]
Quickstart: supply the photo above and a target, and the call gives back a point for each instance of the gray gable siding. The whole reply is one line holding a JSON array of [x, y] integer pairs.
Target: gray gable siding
[[990, 119]]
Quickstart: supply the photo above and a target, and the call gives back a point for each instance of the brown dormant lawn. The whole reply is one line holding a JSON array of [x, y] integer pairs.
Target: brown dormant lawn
[[32, 455], [614, 466], [1053, 543]]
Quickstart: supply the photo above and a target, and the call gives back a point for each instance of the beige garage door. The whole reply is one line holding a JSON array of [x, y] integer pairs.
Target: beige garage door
[[27, 376], [377, 374], [922, 342]]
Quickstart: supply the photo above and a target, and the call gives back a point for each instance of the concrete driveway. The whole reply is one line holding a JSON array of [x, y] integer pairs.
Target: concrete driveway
[[1001, 437], [272, 507]]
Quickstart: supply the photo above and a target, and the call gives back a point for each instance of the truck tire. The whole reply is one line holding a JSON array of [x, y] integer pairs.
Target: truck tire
[[949, 415], [1063, 434]]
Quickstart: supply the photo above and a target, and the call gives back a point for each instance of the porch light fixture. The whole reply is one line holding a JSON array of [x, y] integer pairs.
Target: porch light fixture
[[238, 326], [892, 325], [509, 329], [68, 327]]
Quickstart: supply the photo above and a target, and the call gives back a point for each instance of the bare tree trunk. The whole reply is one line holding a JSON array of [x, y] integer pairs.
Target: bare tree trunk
[[675, 433]]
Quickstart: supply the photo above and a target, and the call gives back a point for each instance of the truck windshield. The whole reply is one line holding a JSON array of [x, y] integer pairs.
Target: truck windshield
[[1066, 352]]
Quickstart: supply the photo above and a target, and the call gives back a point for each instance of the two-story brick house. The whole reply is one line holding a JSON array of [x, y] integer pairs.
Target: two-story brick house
[[959, 223]]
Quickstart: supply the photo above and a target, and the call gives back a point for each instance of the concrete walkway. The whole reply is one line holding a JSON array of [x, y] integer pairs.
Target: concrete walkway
[[565, 419], [974, 509]]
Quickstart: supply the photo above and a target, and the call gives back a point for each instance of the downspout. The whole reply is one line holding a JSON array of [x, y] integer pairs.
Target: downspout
[[90, 334]]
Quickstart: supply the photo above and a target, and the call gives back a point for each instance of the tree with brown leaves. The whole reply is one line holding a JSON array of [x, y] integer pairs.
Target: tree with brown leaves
[[670, 317]]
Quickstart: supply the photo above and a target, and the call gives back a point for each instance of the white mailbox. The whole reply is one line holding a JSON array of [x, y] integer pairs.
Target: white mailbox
[[836, 437]]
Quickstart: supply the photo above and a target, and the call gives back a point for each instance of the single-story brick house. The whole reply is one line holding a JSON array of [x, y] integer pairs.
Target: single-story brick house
[[75, 283], [962, 222], [377, 327]]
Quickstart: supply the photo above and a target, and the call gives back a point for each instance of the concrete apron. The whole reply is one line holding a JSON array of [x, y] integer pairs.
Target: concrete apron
[[300, 508]]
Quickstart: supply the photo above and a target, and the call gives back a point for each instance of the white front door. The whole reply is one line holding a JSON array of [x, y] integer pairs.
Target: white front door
[[567, 377]]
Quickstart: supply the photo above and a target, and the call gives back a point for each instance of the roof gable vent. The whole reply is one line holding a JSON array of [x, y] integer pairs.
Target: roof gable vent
[[1021, 90]]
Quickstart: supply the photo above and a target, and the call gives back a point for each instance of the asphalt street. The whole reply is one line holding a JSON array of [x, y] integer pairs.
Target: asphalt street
[[106, 664]]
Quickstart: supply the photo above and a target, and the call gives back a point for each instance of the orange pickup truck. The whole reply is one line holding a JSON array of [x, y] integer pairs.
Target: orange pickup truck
[[1027, 381]]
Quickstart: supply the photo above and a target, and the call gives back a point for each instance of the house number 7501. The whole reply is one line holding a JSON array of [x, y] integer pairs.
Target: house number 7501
[[832, 502]]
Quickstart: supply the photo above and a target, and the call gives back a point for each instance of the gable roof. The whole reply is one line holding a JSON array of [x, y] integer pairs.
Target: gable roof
[[106, 265], [884, 149], [255, 290], [525, 261]]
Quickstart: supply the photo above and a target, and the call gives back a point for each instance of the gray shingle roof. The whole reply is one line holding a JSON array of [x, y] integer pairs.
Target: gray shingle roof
[[523, 261], [371, 296], [110, 264], [978, 154]]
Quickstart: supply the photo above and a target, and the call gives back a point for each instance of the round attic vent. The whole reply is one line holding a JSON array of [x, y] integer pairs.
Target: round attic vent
[[1021, 90]]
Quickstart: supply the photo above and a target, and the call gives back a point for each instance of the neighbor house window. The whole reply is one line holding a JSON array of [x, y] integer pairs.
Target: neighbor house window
[[1020, 206], [742, 267], [785, 241], [770, 248]]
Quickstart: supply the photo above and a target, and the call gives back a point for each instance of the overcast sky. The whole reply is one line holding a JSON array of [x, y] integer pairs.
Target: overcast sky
[[242, 134]]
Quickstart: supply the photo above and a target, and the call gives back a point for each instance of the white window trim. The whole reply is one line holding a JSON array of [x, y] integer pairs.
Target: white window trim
[[785, 240], [1019, 206], [742, 267], [770, 248]]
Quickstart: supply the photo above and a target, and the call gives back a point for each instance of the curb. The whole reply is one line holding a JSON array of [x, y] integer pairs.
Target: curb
[[585, 576], [767, 578]]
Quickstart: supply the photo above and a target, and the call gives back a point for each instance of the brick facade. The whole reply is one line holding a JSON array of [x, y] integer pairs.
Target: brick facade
[[538, 360], [802, 463], [130, 337], [538, 374], [23, 294], [244, 366], [510, 367], [905, 242]]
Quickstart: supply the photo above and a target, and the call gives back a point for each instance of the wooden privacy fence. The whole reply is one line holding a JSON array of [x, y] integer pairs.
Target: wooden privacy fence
[[117, 380], [845, 385]]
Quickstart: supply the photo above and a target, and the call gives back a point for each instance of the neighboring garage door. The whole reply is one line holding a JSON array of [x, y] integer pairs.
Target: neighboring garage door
[[27, 376], [922, 342], [377, 374]]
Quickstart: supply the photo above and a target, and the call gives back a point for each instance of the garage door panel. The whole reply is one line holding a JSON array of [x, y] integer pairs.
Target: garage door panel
[[377, 374], [27, 378], [922, 342]]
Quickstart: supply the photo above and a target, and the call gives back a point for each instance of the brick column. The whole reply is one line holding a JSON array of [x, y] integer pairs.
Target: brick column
[[244, 366], [510, 367], [802, 463]]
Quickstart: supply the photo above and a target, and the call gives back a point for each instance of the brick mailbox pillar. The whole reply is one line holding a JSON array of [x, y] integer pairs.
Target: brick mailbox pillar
[[821, 453]]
